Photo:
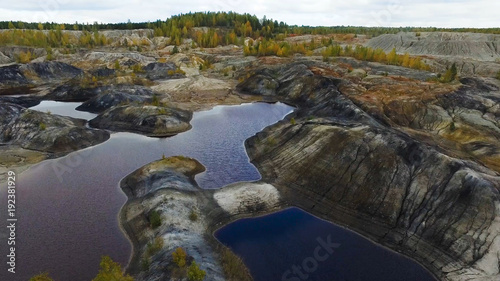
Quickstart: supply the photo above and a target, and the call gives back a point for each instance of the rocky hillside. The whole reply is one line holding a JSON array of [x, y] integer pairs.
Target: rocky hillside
[[339, 158], [483, 47], [473, 53]]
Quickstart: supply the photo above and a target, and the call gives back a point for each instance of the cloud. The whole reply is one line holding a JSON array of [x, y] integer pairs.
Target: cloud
[[439, 13]]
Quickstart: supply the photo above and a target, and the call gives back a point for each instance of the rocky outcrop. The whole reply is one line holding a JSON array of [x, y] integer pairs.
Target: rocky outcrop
[[110, 58], [11, 76], [24, 101], [157, 70], [51, 70], [74, 92], [155, 121], [16, 78], [103, 72], [109, 96], [45, 132], [342, 163]]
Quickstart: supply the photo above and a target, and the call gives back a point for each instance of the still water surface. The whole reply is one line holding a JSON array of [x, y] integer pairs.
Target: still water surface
[[68, 207], [292, 245]]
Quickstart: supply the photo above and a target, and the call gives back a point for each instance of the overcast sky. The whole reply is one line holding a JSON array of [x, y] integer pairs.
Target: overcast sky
[[439, 13]]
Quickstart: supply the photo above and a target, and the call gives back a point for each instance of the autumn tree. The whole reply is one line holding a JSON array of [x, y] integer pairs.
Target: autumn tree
[[179, 257], [392, 57], [450, 74], [110, 270], [195, 273]]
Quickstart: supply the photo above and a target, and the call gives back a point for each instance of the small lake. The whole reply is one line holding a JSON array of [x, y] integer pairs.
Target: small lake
[[292, 245], [68, 207]]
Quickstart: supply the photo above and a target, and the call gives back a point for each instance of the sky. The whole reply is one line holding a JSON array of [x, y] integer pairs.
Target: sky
[[395, 13]]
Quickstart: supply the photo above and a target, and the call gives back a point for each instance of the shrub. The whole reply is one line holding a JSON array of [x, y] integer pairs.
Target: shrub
[[50, 55], [292, 121], [154, 219], [193, 216], [195, 273], [24, 57], [155, 100], [41, 277], [137, 68], [42, 126], [179, 257]]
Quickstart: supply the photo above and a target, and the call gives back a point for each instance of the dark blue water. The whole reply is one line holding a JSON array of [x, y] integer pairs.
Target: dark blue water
[[294, 245], [68, 207]]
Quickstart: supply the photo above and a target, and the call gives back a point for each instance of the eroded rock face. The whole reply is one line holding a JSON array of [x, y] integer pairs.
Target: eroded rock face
[[469, 45], [155, 121], [337, 161], [45, 132]]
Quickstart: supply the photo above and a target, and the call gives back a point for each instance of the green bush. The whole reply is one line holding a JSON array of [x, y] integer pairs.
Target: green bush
[[154, 219], [195, 273], [42, 126]]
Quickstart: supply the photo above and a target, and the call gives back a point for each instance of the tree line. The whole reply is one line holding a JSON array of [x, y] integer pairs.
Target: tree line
[[237, 22]]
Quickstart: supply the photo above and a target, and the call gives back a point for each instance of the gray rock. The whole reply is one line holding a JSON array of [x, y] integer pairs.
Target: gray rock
[[110, 96], [156, 71]]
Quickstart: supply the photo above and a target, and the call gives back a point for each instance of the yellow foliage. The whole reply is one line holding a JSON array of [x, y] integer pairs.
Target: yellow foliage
[[110, 270]]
